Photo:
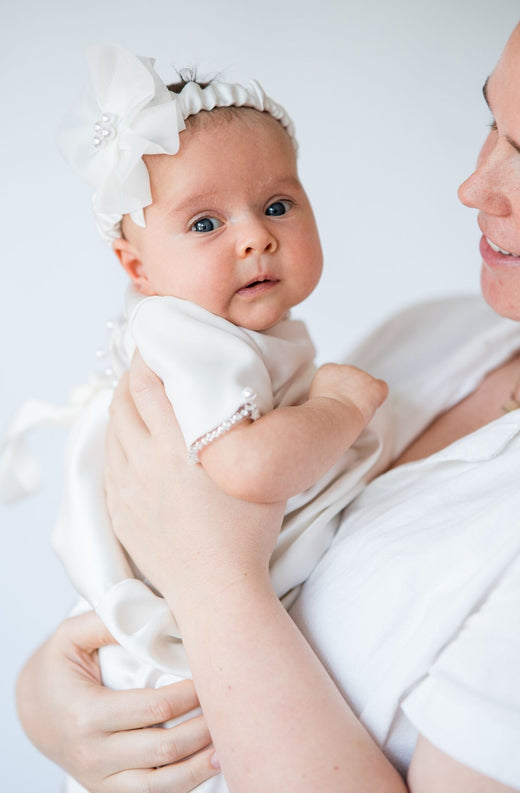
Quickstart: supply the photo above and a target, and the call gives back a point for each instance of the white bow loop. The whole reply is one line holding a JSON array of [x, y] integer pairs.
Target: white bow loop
[[126, 111]]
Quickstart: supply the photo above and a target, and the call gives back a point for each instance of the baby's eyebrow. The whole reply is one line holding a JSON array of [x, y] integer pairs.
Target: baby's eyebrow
[[195, 200], [212, 197]]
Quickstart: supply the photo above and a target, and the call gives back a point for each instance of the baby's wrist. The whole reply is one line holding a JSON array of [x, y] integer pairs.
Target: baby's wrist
[[341, 408]]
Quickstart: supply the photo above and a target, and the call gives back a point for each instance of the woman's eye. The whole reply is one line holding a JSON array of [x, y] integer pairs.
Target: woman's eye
[[206, 224], [278, 208], [493, 125]]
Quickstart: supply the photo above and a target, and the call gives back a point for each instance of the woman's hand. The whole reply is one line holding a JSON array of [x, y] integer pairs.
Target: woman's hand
[[172, 519], [107, 739]]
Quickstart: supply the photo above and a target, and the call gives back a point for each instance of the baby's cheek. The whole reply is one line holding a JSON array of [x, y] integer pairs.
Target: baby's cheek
[[215, 294]]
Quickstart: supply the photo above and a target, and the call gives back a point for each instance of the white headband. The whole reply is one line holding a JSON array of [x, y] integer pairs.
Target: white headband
[[128, 111]]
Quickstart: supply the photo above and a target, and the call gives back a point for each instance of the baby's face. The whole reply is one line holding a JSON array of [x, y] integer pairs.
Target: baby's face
[[230, 227]]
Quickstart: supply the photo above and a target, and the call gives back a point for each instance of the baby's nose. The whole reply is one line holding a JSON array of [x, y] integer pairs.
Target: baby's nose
[[257, 238]]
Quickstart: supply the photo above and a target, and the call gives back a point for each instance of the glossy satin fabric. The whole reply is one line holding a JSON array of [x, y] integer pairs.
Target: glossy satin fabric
[[205, 363]]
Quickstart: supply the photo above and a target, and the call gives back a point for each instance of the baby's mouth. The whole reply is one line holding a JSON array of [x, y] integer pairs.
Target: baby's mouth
[[258, 285]]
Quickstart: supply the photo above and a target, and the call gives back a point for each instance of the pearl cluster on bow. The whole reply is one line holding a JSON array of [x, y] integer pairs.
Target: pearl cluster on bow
[[104, 129], [248, 410]]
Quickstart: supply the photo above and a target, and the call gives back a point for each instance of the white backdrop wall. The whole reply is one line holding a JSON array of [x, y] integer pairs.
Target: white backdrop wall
[[389, 115]]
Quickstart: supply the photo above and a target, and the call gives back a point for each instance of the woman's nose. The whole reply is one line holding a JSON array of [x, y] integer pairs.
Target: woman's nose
[[255, 237], [486, 188]]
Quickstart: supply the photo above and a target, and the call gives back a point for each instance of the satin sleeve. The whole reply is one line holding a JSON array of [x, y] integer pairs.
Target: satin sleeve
[[210, 368]]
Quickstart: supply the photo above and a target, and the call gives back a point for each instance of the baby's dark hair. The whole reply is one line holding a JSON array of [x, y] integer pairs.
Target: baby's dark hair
[[189, 75], [205, 117]]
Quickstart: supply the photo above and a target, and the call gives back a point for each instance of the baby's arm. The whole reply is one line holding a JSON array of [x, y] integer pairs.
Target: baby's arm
[[290, 448]]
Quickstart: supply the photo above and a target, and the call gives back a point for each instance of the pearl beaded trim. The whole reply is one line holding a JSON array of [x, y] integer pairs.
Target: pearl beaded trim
[[248, 410]]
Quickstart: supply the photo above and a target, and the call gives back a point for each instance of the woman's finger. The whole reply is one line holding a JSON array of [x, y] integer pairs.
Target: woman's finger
[[85, 631], [125, 419], [179, 778], [159, 746], [150, 399], [137, 708], [115, 456]]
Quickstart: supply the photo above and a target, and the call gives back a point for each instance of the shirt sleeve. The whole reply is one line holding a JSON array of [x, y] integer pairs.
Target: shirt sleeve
[[213, 372], [469, 704]]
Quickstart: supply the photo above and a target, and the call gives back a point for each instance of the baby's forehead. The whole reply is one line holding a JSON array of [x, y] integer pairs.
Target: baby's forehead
[[226, 115], [227, 124]]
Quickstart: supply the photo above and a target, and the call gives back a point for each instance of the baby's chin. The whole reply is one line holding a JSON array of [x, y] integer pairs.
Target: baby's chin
[[260, 324]]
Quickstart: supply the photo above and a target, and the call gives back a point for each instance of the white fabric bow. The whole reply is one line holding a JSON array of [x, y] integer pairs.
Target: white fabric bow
[[126, 111]]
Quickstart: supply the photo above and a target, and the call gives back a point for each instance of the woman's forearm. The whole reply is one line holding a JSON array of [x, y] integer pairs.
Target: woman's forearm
[[276, 718]]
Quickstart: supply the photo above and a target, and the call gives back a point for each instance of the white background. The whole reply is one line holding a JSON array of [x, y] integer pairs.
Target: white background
[[386, 98]]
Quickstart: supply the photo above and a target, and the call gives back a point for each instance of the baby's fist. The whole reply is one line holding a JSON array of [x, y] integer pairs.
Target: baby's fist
[[350, 386]]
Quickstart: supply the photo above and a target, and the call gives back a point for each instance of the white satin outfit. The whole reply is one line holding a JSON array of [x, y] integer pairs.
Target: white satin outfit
[[215, 374]]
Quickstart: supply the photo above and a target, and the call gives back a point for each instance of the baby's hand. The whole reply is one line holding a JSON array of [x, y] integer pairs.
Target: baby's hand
[[350, 386]]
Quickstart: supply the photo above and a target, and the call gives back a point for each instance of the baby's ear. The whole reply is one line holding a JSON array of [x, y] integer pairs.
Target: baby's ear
[[131, 262]]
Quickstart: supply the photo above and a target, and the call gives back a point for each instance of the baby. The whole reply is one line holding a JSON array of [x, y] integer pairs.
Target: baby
[[197, 191], [231, 230]]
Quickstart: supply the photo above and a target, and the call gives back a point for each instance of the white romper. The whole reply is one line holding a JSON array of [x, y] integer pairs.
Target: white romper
[[211, 370]]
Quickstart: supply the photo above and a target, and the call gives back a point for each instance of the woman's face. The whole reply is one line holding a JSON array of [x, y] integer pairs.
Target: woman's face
[[494, 187]]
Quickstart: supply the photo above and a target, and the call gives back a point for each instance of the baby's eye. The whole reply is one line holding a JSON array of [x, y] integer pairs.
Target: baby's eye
[[206, 224], [278, 208]]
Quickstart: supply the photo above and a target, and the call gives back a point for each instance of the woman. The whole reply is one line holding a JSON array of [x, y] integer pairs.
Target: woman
[[413, 610]]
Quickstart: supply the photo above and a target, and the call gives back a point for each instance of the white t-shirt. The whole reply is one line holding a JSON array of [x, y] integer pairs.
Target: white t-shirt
[[415, 608]]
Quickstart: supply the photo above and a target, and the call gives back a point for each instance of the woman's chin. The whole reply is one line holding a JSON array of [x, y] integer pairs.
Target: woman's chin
[[501, 290]]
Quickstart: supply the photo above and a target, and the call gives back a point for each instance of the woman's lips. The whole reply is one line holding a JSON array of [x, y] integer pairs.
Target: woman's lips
[[496, 258], [258, 287]]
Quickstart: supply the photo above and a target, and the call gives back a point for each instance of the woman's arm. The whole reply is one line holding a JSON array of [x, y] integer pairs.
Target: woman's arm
[[288, 449], [277, 720], [99, 736], [90, 730]]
